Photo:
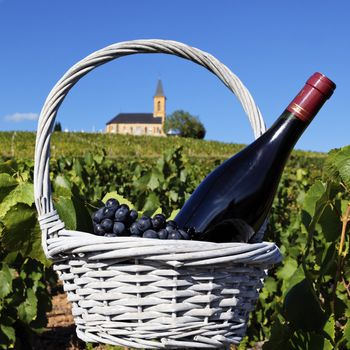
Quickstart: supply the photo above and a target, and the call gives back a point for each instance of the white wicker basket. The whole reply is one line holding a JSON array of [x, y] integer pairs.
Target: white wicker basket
[[147, 293]]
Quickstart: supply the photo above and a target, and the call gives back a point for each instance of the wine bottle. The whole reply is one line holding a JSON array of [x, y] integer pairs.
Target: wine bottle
[[233, 201]]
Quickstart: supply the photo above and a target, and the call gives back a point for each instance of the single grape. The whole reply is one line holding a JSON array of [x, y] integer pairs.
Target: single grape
[[158, 222], [125, 206], [163, 233], [170, 228], [160, 216], [150, 234], [132, 215], [107, 225], [144, 223], [134, 230], [121, 214], [99, 230], [175, 235], [112, 203], [119, 229], [97, 216], [108, 212]]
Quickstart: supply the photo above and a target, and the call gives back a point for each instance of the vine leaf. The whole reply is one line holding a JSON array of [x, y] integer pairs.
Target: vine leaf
[[347, 333], [22, 193], [22, 233], [329, 327], [337, 165], [302, 340], [8, 331], [5, 280], [7, 184], [27, 310], [301, 308], [293, 279]]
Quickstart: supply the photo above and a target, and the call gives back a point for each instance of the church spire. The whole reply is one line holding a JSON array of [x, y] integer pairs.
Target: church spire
[[159, 90], [159, 102]]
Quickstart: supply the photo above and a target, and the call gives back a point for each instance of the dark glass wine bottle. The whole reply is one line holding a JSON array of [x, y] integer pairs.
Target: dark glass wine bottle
[[234, 200]]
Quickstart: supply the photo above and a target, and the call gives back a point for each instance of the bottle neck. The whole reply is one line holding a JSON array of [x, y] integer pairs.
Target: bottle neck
[[311, 98], [281, 137]]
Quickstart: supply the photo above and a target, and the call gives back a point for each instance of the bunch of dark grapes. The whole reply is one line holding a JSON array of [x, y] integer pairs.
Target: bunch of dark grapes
[[115, 220]]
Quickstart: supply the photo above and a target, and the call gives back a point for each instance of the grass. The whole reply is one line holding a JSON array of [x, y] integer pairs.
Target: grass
[[22, 144]]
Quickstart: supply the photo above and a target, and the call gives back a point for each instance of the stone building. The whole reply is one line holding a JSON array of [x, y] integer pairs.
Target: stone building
[[142, 123]]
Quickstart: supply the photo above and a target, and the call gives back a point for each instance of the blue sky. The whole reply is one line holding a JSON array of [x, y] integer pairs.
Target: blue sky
[[272, 46]]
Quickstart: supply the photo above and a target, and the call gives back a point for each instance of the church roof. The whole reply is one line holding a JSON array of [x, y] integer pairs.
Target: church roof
[[135, 118], [159, 90]]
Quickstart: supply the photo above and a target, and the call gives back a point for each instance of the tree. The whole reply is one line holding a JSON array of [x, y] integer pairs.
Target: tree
[[57, 127], [187, 124]]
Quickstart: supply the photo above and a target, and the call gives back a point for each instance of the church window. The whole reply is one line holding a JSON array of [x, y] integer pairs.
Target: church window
[[159, 106]]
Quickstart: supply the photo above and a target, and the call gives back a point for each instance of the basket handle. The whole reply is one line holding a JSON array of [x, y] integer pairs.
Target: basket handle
[[42, 186]]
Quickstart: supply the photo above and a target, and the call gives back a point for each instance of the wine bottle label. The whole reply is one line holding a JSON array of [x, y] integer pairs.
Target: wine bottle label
[[310, 99]]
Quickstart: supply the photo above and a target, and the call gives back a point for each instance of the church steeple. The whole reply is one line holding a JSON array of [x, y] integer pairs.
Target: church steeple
[[159, 90], [159, 102]]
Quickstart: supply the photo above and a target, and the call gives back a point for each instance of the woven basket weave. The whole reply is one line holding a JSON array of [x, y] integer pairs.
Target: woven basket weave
[[147, 293]]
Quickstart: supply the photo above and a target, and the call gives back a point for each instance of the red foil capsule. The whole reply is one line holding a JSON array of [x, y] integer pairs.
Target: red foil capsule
[[311, 98]]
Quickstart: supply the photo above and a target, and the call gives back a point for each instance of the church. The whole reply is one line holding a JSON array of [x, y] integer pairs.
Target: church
[[142, 123]]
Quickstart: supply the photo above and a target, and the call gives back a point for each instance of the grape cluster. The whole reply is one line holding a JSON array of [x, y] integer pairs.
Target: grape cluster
[[116, 219]]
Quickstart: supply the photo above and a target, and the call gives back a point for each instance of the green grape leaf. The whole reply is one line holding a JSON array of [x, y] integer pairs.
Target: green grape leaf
[[9, 167], [309, 341], [5, 280], [329, 261], [151, 205], [279, 339], [7, 184], [78, 169], [9, 332], [173, 214], [270, 285], [88, 159], [62, 186], [329, 327], [83, 218], [288, 268], [22, 232], [346, 333], [154, 179], [302, 309], [23, 193], [66, 211], [28, 309], [330, 224], [337, 165], [293, 279], [173, 195], [316, 203], [312, 196]]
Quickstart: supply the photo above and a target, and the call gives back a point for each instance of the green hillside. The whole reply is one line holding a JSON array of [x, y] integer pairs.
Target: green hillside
[[21, 145]]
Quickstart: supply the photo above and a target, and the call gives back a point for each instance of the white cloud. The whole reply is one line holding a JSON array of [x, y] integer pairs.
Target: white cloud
[[20, 117]]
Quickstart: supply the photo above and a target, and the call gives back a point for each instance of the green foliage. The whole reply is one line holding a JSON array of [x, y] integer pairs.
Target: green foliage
[[24, 299], [312, 291], [187, 124], [166, 185], [305, 301]]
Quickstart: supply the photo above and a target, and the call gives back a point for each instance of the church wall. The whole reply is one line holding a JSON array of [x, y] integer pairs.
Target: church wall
[[136, 129]]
